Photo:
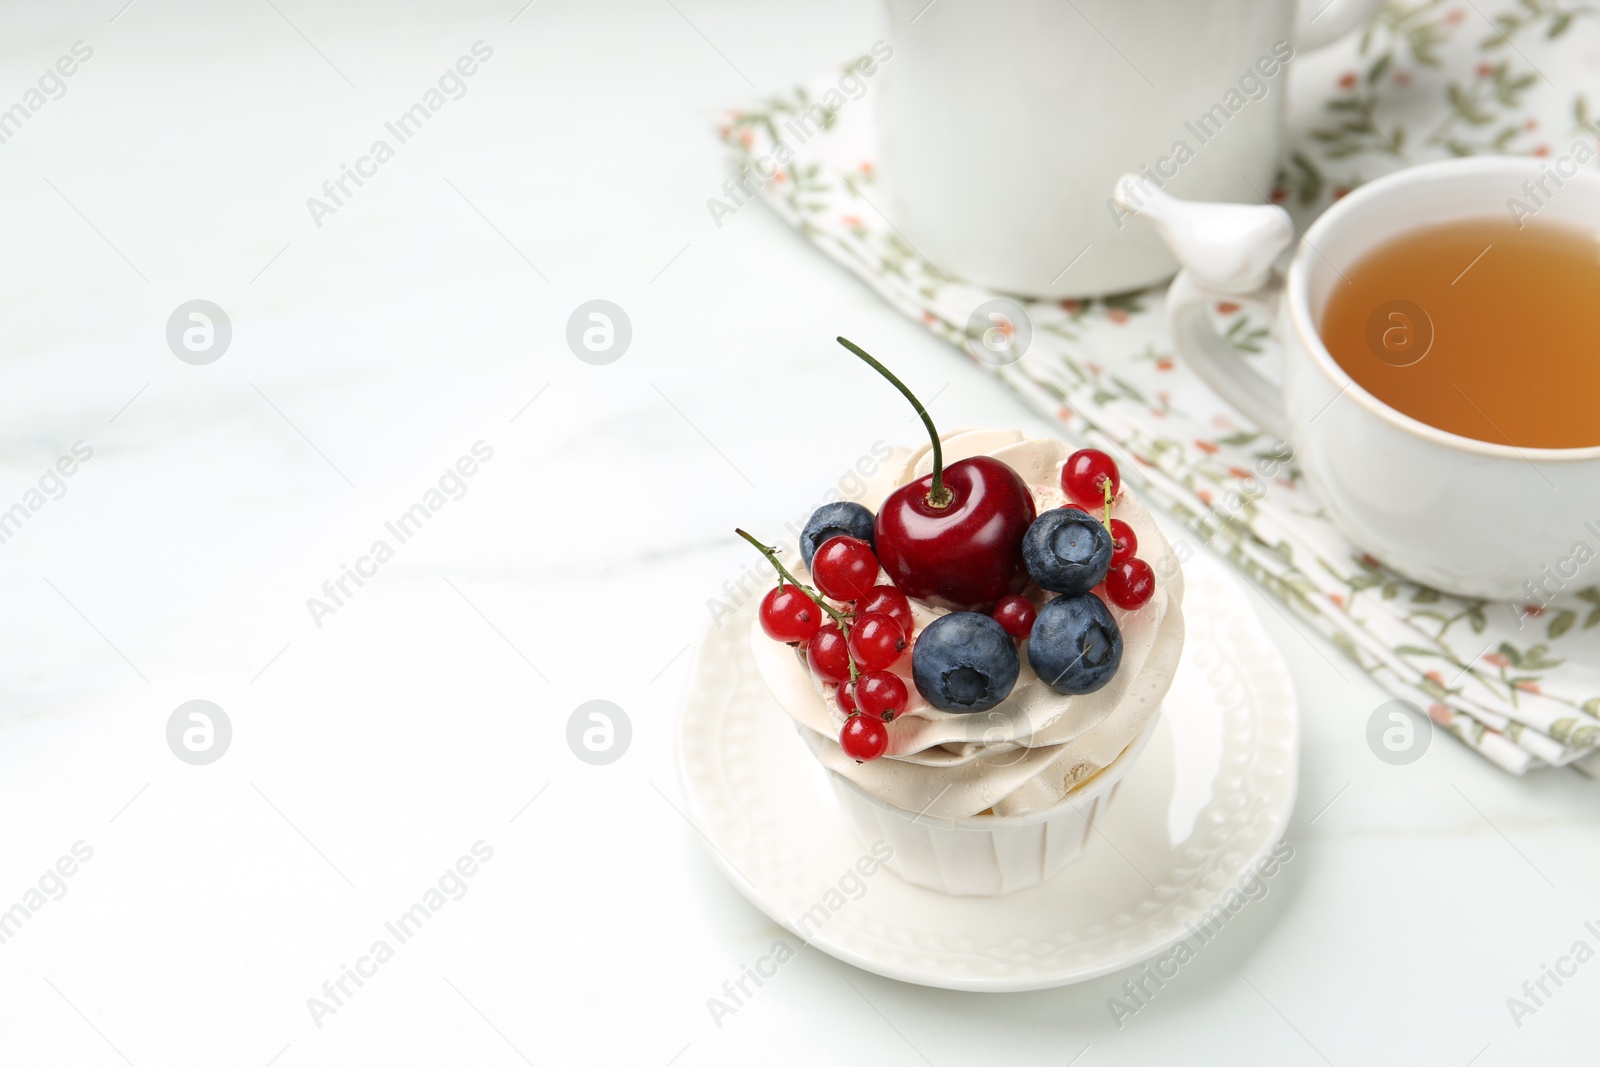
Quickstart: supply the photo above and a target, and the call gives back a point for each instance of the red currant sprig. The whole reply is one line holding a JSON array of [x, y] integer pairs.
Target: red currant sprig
[[785, 577], [1090, 478], [827, 649]]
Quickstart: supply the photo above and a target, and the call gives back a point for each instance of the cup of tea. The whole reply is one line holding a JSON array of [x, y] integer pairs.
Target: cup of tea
[[1440, 379]]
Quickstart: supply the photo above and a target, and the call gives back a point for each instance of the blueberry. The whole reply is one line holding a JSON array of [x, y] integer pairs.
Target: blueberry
[[1067, 551], [843, 517], [1075, 645], [964, 661]]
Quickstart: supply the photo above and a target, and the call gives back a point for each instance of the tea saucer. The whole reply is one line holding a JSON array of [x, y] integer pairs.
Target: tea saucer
[[1208, 798]]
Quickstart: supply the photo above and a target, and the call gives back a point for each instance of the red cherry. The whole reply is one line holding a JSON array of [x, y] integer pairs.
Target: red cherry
[[1131, 583], [968, 554], [1123, 542], [789, 615], [1084, 476], [844, 692], [954, 536], [1074, 507], [844, 568], [827, 654], [881, 694], [876, 641], [864, 738], [891, 602], [1015, 614]]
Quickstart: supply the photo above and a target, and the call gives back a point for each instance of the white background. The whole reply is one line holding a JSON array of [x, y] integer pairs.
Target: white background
[[368, 754]]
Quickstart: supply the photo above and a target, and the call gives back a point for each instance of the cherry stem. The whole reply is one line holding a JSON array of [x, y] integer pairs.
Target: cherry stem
[[785, 577], [1105, 483], [938, 495]]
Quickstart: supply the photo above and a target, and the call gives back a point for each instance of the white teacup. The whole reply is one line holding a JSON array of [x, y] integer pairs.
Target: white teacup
[[1002, 123], [1466, 516]]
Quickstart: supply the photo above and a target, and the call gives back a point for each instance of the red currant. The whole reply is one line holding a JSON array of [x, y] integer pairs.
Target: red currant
[[1084, 477], [881, 694], [827, 654], [845, 568], [864, 738], [893, 603], [1015, 614], [876, 641], [1123, 542], [1131, 583], [845, 693], [787, 614]]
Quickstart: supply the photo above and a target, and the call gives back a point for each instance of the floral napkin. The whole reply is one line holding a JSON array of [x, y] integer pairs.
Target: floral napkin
[[1520, 683]]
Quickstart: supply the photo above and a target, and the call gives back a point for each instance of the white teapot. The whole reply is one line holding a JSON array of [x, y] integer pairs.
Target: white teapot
[[1003, 123]]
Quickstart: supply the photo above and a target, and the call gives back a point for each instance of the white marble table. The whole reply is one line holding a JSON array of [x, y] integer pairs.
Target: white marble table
[[374, 745]]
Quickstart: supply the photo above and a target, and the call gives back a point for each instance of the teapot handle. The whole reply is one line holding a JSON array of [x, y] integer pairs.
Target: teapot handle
[[1321, 22], [1216, 361]]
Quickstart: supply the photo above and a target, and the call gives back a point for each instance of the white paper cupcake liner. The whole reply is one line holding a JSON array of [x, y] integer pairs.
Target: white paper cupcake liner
[[987, 855]]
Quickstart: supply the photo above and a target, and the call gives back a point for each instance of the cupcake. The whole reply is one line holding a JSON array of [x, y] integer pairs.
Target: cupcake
[[997, 794], [985, 738]]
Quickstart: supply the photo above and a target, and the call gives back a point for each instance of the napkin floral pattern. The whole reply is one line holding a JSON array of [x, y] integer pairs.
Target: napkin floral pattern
[[1519, 682]]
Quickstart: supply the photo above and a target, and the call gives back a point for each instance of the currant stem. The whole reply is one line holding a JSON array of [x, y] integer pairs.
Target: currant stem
[[1106, 485], [785, 576], [938, 495]]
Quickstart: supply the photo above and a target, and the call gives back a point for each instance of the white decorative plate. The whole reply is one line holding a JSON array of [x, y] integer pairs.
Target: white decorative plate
[[1209, 797]]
